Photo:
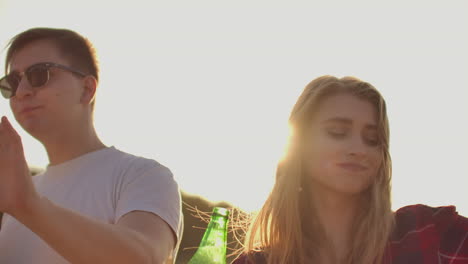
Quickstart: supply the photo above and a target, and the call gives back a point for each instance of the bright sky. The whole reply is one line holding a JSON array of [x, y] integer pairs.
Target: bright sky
[[206, 87]]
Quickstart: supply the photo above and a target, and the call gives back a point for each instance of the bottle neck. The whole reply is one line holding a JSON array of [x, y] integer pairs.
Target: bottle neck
[[216, 232]]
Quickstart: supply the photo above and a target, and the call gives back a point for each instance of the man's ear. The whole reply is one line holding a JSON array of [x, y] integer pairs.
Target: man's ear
[[89, 89]]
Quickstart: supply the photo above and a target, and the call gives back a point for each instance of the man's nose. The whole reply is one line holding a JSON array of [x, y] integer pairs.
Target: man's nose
[[24, 89]]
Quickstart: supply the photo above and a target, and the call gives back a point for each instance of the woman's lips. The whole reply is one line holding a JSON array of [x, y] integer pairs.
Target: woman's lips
[[351, 166]]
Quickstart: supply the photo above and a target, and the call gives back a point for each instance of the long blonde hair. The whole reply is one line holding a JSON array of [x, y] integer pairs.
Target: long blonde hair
[[277, 230]]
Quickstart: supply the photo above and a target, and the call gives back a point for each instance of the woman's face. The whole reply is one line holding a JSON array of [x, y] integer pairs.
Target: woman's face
[[343, 151]]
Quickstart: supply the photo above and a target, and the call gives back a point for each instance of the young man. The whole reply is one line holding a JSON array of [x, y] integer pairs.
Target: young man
[[93, 203]]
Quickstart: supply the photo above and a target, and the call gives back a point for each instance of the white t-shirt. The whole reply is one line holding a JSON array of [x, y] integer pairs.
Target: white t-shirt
[[105, 185]]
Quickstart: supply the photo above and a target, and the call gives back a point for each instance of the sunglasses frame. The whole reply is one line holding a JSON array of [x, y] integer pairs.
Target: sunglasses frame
[[46, 65]]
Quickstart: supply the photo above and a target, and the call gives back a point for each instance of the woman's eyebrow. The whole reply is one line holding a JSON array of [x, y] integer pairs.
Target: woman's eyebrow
[[342, 120], [347, 121]]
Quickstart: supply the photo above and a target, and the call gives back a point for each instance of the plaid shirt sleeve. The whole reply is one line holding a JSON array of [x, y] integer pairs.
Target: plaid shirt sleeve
[[242, 259], [258, 258], [428, 235], [422, 235]]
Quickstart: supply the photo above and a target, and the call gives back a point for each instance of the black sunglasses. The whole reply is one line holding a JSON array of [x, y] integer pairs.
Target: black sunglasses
[[37, 76]]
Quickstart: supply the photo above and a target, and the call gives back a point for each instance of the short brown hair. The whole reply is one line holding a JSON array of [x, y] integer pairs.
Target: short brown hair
[[78, 49]]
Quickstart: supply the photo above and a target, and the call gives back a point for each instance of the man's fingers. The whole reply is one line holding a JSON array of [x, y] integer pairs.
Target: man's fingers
[[2, 122], [7, 130], [6, 123], [3, 128]]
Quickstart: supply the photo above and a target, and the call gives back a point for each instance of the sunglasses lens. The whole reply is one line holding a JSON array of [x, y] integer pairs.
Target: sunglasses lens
[[8, 85], [38, 76]]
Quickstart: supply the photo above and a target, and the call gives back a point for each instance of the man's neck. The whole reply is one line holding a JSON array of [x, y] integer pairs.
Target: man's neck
[[67, 146]]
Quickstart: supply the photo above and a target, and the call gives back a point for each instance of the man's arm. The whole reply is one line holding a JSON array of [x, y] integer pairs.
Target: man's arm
[[155, 228], [138, 237]]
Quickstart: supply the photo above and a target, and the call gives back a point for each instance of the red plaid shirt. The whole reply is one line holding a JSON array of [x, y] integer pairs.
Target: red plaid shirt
[[422, 235]]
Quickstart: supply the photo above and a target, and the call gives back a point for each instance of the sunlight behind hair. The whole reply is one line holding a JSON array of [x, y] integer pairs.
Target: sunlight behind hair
[[206, 88]]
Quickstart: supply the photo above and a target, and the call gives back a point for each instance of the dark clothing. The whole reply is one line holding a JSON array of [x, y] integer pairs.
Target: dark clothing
[[422, 235]]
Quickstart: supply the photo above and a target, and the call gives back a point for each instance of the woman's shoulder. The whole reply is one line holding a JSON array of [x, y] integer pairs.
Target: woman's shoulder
[[418, 224], [420, 216], [257, 257]]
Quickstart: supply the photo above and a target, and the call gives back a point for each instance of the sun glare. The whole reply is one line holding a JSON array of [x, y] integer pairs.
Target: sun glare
[[206, 89]]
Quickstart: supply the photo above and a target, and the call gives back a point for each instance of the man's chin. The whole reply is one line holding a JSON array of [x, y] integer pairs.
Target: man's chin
[[33, 127]]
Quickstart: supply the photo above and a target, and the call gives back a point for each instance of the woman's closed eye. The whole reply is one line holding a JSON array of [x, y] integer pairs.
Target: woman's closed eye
[[337, 132], [372, 142], [372, 139]]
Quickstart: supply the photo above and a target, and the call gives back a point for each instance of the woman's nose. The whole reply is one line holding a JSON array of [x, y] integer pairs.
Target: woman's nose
[[357, 146]]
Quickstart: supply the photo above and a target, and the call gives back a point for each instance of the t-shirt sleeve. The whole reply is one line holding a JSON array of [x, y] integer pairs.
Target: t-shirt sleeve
[[151, 189]]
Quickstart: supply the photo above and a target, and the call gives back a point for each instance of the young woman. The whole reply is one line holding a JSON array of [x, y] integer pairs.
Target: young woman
[[331, 200]]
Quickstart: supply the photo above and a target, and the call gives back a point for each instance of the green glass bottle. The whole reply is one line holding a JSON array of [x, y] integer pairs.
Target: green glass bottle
[[212, 249]]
